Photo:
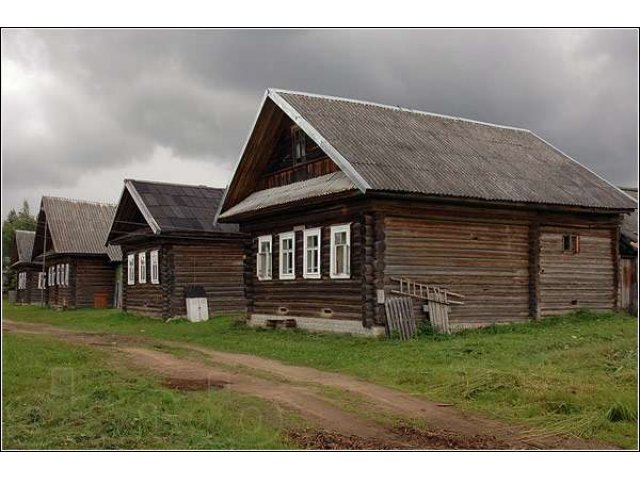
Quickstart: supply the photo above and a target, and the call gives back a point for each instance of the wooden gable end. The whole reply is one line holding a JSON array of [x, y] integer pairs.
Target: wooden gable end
[[283, 168], [43, 241], [128, 221], [267, 160]]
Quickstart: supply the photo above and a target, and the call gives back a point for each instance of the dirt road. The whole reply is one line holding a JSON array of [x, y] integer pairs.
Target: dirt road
[[376, 423]]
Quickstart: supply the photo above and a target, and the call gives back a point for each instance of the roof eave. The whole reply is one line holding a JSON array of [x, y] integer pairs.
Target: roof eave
[[297, 204], [496, 202]]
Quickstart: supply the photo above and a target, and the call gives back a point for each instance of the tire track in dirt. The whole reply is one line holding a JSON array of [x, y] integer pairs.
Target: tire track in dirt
[[448, 427]]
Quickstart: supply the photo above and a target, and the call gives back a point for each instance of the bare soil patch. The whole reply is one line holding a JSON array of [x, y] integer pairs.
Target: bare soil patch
[[191, 385]]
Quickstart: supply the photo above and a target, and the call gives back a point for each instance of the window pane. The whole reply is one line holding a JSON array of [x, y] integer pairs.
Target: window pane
[[340, 259]]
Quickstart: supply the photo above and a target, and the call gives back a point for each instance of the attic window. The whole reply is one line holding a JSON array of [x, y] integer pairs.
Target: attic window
[[571, 244], [298, 145]]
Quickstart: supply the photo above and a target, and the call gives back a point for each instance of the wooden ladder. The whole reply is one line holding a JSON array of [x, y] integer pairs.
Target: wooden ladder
[[439, 299]]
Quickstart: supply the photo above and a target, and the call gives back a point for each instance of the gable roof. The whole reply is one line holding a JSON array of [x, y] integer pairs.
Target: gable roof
[[23, 246], [172, 208], [393, 149], [76, 227]]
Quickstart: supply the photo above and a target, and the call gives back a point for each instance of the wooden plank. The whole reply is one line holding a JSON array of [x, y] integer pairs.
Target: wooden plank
[[400, 317]]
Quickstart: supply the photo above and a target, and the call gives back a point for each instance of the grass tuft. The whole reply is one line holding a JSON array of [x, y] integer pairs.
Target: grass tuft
[[619, 412]]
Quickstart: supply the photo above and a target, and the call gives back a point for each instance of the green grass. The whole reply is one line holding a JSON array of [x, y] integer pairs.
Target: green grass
[[574, 374], [58, 396]]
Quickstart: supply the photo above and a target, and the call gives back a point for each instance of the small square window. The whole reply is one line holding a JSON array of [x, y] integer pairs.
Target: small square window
[[571, 244]]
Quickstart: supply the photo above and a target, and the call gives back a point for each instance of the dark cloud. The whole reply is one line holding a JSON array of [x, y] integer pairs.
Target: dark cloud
[[81, 104]]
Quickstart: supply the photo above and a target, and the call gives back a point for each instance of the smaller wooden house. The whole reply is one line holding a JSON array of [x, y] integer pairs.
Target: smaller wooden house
[[629, 258], [170, 243], [29, 281], [70, 239]]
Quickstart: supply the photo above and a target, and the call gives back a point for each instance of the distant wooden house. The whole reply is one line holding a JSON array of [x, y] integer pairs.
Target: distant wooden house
[[28, 272], [629, 258], [70, 240], [170, 243], [342, 198]]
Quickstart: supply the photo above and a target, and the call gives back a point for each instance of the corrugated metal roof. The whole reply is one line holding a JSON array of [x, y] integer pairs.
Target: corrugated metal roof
[[316, 187], [79, 227], [24, 245], [172, 207], [400, 150]]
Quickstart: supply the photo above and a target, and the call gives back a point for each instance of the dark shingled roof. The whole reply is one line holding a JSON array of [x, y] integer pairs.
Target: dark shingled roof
[[383, 148], [24, 246], [77, 227], [171, 207]]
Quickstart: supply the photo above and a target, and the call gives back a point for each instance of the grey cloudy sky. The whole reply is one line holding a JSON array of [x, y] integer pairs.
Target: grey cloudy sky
[[81, 110]]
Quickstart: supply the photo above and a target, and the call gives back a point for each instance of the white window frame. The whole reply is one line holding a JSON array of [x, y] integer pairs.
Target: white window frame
[[57, 267], [265, 275], [41, 280], [154, 267], [332, 261], [49, 277], [312, 232], [66, 274], [131, 269], [142, 267], [22, 280], [281, 239]]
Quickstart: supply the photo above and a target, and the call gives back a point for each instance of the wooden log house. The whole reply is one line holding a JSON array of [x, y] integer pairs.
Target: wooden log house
[[629, 258], [28, 272], [169, 243], [70, 240], [342, 196]]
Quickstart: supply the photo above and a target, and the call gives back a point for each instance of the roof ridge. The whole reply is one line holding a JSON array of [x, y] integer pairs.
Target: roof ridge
[[24, 231], [77, 200], [156, 182], [398, 108]]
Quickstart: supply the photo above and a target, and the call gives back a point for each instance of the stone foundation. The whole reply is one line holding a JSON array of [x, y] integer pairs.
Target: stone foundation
[[318, 324]]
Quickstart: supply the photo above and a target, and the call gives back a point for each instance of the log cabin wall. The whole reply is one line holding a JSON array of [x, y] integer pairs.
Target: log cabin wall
[[585, 279], [486, 260], [505, 261], [326, 300], [217, 266], [146, 299], [62, 296], [31, 294], [92, 276], [629, 284]]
